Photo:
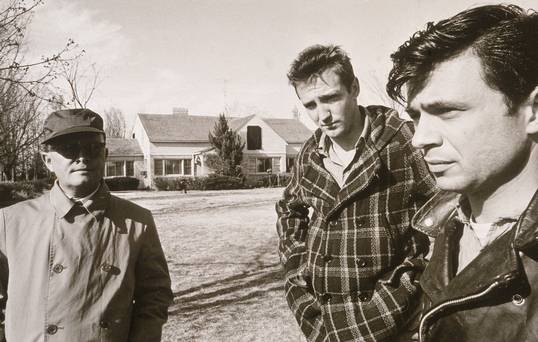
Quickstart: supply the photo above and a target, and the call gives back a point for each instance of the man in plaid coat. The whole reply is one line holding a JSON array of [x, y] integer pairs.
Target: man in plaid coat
[[352, 261]]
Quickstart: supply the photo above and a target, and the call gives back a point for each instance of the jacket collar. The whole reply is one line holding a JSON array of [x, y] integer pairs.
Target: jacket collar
[[432, 217], [383, 122], [497, 262], [95, 205]]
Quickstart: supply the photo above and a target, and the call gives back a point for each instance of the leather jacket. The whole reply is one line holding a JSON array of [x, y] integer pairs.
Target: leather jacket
[[494, 298]]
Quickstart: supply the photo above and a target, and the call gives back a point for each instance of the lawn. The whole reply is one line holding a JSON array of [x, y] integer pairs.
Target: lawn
[[221, 248]]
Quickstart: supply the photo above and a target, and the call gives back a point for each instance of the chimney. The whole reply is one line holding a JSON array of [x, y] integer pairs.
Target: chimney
[[180, 111]]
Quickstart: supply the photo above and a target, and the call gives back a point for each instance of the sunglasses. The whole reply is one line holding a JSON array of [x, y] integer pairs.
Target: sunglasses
[[72, 150]]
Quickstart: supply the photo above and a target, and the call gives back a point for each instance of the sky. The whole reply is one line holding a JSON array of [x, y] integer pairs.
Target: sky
[[215, 55]]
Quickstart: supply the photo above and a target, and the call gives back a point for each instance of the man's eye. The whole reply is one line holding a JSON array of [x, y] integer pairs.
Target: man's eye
[[331, 99], [310, 106], [445, 111]]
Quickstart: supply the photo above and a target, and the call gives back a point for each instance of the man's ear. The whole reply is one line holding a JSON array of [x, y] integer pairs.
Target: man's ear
[[532, 112], [46, 160], [355, 88]]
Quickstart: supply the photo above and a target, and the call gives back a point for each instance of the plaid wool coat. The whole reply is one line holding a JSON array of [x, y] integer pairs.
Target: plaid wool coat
[[352, 260]]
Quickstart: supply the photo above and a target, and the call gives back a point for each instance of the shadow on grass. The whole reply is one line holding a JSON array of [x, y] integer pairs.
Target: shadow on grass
[[230, 290]]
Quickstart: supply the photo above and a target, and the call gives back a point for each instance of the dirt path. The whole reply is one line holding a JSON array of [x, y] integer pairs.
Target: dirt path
[[221, 251]]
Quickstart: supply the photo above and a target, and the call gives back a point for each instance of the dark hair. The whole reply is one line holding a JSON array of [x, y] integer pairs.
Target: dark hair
[[504, 37], [315, 59]]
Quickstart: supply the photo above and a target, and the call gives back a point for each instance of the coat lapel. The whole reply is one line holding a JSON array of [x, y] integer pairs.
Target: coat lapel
[[382, 129], [316, 179]]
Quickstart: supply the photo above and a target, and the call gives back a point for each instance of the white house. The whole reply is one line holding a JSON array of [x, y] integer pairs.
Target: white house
[[176, 144]]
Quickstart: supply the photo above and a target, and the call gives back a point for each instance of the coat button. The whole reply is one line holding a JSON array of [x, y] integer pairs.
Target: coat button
[[363, 297], [52, 329], [106, 268], [104, 324], [333, 223], [360, 262], [327, 257], [518, 299], [58, 268], [428, 222]]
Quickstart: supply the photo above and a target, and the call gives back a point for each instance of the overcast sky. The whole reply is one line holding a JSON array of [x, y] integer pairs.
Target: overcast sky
[[209, 54]]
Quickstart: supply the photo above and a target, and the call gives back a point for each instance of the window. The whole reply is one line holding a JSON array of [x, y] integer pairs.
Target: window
[[164, 167], [264, 164], [119, 168], [171, 167], [187, 169], [254, 138]]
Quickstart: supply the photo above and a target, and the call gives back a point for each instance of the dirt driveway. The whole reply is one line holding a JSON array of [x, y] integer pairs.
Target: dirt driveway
[[221, 248]]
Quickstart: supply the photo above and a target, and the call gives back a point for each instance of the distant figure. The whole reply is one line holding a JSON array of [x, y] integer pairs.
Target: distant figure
[[183, 186], [352, 265], [472, 91], [83, 264]]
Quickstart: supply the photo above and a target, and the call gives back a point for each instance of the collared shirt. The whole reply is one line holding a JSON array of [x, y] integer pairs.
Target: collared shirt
[[86, 198], [96, 273], [337, 161], [476, 236]]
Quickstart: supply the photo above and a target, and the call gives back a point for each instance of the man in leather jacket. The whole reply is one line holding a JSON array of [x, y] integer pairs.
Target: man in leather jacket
[[471, 87]]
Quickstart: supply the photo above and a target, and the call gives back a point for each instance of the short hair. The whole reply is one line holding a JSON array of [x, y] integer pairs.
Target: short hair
[[315, 59], [503, 37]]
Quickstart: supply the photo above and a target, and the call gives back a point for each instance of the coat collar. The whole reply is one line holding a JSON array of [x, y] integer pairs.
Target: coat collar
[[432, 217], [384, 125], [96, 205], [497, 262]]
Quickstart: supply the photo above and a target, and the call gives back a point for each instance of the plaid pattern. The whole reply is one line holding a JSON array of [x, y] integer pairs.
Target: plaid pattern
[[352, 264]]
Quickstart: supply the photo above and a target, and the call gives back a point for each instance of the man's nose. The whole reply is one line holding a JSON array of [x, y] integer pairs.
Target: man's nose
[[84, 153], [426, 133], [324, 113]]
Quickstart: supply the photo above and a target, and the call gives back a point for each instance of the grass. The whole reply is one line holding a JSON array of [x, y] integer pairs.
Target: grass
[[221, 248]]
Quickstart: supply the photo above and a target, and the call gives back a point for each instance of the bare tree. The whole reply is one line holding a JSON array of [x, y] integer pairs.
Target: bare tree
[[29, 75], [115, 123], [81, 82], [378, 90], [23, 86], [20, 126]]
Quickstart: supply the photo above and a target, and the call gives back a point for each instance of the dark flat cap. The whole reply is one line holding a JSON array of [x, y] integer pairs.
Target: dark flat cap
[[70, 121]]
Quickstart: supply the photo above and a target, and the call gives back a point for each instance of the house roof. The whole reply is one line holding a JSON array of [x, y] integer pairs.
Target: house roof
[[194, 128], [177, 128], [123, 147], [291, 130]]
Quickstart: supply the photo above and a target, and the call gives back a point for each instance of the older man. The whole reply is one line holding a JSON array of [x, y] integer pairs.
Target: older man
[[351, 259], [472, 90], [79, 263]]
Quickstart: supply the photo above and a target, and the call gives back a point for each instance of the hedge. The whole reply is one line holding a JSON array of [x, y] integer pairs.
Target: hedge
[[122, 183], [211, 182], [265, 181], [13, 192]]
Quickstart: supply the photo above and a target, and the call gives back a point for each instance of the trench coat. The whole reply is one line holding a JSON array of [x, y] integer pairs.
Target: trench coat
[[95, 272]]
